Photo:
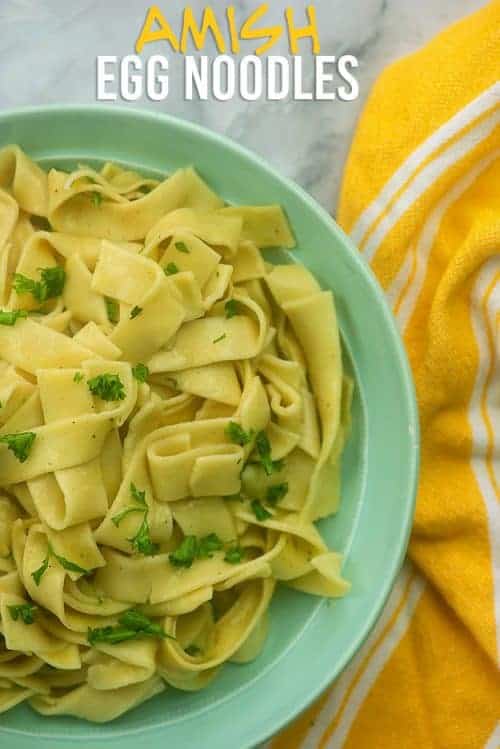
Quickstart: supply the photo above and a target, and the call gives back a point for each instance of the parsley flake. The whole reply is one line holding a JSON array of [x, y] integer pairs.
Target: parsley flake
[[142, 542], [276, 492], [10, 317], [40, 572], [234, 554], [237, 434], [78, 377], [107, 386], [220, 338], [20, 444], [131, 625], [50, 286], [112, 310], [185, 554], [96, 198], [192, 650], [140, 372], [181, 247], [231, 308], [135, 311], [24, 610], [170, 269], [264, 451], [259, 510]]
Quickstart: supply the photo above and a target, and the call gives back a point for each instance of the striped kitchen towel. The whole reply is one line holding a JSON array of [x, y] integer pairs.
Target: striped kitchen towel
[[421, 199]]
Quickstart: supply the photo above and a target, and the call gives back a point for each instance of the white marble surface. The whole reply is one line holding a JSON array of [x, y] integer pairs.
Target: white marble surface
[[48, 50]]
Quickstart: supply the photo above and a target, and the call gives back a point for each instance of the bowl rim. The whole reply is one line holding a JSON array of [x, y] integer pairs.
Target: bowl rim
[[262, 733]]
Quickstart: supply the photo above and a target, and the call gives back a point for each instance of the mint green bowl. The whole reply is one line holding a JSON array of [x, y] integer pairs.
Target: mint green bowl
[[310, 640]]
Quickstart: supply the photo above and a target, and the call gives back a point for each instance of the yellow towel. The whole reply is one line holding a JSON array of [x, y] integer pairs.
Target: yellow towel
[[421, 199]]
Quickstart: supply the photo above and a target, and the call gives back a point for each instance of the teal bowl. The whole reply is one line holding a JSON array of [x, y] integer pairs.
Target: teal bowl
[[311, 640]]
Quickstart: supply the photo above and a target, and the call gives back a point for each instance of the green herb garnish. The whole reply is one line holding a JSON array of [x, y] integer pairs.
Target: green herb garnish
[[50, 286], [135, 311], [207, 545], [138, 495], [10, 317], [264, 451], [96, 198], [108, 387], [112, 310], [193, 548], [131, 625], [276, 492], [181, 247], [259, 510], [65, 564], [140, 372], [117, 519], [237, 434], [185, 554], [234, 554], [192, 649], [40, 572], [231, 308], [24, 610], [20, 444], [170, 269], [142, 540], [220, 338], [78, 377]]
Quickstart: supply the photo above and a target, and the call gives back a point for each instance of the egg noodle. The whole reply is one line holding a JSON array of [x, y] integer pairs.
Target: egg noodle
[[172, 414]]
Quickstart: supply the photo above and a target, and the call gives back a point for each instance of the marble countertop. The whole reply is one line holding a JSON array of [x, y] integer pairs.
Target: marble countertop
[[48, 50]]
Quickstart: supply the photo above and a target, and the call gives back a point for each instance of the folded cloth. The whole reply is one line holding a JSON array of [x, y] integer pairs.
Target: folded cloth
[[421, 199]]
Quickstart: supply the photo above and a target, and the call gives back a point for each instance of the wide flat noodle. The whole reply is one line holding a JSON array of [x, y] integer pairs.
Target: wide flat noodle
[[172, 416]]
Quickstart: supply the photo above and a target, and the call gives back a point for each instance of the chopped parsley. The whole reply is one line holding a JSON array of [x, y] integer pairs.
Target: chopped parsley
[[141, 541], [185, 554], [259, 510], [231, 308], [117, 519], [220, 338], [138, 495], [135, 311], [237, 434], [112, 310], [192, 649], [96, 198], [193, 548], [207, 545], [78, 377], [107, 386], [50, 286], [181, 247], [145, 189], [264, 452], [66, 564], [131, 625], [234, 554], [10, 317], [20, 444], [170, 269], [40, 572], [276, 492], [26, 611], [140, 372]]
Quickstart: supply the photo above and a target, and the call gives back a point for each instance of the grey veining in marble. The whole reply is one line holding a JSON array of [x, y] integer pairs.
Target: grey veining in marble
[[48, 50]]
